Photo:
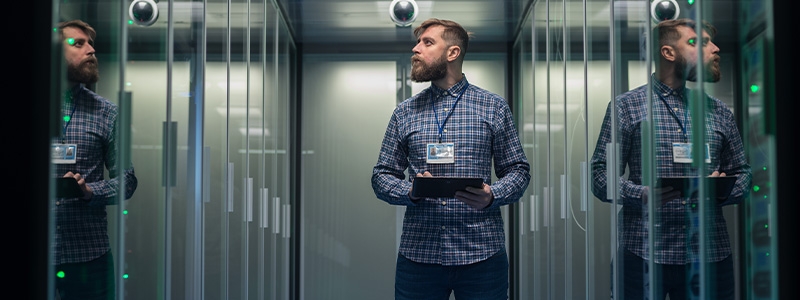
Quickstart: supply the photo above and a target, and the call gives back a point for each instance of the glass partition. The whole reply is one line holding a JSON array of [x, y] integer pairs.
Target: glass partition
[[207, 131], [217, 249], [759, 218], [284, 154], [522, 62], [591, 232]]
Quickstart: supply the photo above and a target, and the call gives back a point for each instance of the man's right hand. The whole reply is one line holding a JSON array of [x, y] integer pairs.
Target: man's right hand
[[87, 191], [415, 199]]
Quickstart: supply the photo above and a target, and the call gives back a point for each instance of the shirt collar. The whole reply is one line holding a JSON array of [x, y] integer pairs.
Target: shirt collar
[[664, 90], [454, 90], [73, 92]]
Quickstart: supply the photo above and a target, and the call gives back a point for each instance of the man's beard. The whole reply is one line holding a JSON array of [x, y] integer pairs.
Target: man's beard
[[688, 70], [421, 72], [86, 72]]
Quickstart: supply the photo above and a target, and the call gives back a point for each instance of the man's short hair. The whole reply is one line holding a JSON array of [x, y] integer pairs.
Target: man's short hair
[[83, 26], [666, 33], [453, 33]]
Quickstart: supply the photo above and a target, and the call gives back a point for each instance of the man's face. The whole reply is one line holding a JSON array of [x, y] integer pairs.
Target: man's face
[[429, 62], [687, 57], [79, 54]]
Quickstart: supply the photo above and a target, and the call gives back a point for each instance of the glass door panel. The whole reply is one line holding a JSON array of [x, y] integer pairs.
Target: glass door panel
[[574, 187], [523, 112], [559, 235], [283, 116], [540, 179]]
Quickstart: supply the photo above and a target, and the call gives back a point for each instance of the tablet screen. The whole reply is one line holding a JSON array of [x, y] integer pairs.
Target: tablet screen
[[721, 186], [67, 187]]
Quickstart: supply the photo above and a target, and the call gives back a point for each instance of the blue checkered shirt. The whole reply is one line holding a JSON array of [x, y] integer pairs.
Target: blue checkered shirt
[[676, 238], [445, 230], [81, 232]]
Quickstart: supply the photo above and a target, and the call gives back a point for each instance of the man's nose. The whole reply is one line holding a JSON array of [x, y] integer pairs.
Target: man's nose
[[91, 49], [714, 48]]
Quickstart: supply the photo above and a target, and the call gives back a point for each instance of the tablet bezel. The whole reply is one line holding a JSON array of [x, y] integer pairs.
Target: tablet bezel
[[439, 187]]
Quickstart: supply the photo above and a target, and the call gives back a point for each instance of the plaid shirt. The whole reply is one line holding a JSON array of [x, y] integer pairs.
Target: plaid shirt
[[672, 121], [445, 230], [81, 232]]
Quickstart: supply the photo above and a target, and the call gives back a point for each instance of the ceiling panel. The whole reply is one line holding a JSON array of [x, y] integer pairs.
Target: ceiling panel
[[328, 25]]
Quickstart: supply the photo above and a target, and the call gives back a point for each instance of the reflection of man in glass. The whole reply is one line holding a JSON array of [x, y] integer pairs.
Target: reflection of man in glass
[[676, 240], [81, 247]]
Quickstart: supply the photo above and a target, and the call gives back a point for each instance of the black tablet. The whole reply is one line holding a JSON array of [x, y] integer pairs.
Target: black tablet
[[67, 187], [433, 187], [689, 185]]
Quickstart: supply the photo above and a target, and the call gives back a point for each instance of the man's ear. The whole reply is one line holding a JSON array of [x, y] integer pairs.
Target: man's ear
[[667, 52], [453, 52]]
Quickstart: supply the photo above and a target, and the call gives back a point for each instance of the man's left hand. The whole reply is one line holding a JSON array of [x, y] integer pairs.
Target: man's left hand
[[477, 198]]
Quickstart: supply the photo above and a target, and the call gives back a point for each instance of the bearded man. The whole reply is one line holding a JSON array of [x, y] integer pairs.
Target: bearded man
[[450, 245], [84, 149], [680, 55]]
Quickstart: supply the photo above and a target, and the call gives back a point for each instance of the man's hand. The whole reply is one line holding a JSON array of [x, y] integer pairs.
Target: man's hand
[[477, 198], [426, 174], [87, 191]]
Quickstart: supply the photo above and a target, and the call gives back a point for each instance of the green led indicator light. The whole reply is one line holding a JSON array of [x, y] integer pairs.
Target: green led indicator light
[[66, 118], [765, 196], [756, 188], [754, 88], [691, 41], [765, 168], [125, 212], [690, 2], [55, 29], [125, 276], [766, 225], [71, 41], [60, 274], [130, 22]]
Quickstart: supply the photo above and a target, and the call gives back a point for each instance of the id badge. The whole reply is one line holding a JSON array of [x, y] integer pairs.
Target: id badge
[[682, 153], [440, 153], [64, 153]]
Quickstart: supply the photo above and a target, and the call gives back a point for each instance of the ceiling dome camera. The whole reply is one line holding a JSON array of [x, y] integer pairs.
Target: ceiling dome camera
[[662, 10], [143, 12], [403, 12]]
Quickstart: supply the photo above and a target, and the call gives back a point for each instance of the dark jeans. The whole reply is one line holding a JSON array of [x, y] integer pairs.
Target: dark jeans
[[673, 281], [87, 281], [485, 280]]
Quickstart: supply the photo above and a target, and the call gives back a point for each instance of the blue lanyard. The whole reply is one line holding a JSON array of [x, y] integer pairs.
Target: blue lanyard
[[436, 114], [672, 112]]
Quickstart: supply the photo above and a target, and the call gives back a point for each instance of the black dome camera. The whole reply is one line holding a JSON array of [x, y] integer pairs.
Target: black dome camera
[[403, 12], [662, 10], [143, 12]]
